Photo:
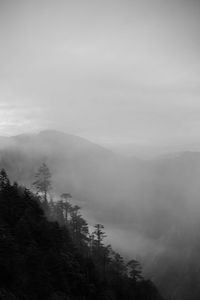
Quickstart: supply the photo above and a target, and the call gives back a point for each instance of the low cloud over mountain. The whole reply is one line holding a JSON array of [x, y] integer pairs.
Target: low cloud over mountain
[[145, 205]]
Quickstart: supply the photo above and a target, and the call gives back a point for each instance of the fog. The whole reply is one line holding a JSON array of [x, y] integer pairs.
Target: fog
[[119, 81], [150, 208], [115, 72], [147, 197]]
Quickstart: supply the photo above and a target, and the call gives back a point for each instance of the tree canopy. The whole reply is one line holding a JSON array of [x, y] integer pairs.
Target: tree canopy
[[53, 260]]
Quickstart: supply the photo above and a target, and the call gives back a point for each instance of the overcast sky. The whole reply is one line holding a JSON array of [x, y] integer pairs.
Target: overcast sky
[[113, 71]]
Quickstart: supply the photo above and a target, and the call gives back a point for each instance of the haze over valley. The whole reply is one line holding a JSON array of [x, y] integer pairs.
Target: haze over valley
[[102, 98], [150, 208]]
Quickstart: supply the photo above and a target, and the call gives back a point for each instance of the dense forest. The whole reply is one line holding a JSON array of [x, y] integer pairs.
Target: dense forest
[[48, 250]]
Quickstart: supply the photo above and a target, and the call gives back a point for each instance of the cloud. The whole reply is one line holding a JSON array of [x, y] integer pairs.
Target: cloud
[[118, 70]]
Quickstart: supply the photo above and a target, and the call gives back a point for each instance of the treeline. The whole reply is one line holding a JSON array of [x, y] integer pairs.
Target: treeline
[[48, 253]]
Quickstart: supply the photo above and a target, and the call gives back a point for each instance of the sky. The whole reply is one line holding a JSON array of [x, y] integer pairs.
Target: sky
[[112, 71]]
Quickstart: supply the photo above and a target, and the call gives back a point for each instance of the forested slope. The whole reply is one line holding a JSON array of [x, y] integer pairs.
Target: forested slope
[[41, 259]]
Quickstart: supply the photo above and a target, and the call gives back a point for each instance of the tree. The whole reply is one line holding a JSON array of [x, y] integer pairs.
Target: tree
[[117, 264], [4, 181], [43, 181], [39, 260], [66, 196], [99, 235], [78, 226], [134, 270], [66, 206]]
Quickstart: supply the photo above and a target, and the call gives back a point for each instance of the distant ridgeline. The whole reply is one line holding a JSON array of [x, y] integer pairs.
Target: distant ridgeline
[[48, 253]]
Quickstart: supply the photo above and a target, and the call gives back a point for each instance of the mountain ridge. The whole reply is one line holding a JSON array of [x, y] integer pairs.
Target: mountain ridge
[[140, 201]]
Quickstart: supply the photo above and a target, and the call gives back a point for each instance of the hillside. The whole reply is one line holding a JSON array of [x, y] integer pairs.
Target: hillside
[[42, 260], [145, 205], [91, 173]]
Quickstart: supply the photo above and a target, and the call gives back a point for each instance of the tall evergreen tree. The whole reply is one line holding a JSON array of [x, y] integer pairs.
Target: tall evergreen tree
[[99, 235], [66, 206], [42, 182], [134, 270]]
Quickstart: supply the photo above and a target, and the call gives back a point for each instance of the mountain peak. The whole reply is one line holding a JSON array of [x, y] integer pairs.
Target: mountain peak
[[51, 132]]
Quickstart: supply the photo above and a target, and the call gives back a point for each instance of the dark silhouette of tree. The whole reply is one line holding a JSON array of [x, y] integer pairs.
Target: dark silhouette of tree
[[4, 181], [134, 270], [99, 235], [78, 227], [59, 212], [66, 206], [66, 196], [118, 266], [41, 260], [42, 183]]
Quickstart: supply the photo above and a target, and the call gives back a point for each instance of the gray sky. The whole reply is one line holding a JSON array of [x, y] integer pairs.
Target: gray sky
[[112, 71]]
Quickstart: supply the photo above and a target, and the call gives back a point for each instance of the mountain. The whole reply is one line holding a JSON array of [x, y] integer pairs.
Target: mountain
[[88, 171], [144, 205]]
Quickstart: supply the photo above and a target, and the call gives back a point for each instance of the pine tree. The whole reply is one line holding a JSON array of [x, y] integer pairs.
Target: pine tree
[[134, 270], [4, 181], [78, 227], [66, 206], [99, 235], [42, 183]]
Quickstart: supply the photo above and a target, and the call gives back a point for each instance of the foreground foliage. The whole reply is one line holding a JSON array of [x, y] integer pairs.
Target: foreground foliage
[[59, 259]]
